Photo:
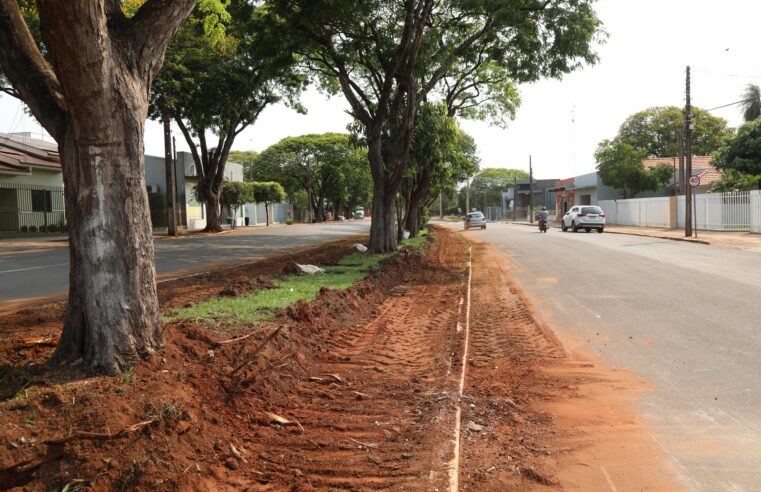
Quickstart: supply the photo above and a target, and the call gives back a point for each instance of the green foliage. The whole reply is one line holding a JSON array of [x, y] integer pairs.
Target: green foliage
[[742, 151], [733, 180], [751, 105], [487, 186], [621, 166], [128, 376], [657, 131], [260, 305], [247, 159], [267, 192], [328, 166], [235, 194]]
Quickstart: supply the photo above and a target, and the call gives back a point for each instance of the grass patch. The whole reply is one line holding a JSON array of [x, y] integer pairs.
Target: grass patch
[[261, 305]]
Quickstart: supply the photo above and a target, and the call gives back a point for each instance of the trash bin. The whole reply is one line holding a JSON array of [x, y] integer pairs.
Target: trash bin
[[246, 220]]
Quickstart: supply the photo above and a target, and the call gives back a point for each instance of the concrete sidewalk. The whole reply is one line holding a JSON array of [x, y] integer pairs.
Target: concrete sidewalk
[[741, 240]]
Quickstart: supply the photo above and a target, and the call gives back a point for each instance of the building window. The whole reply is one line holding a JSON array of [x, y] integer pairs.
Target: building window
[[42, 201]]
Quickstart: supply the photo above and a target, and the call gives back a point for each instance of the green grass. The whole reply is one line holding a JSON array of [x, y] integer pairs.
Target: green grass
[[261, 305]]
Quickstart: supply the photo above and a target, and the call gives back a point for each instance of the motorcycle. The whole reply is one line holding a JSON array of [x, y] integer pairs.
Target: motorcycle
[[543, 226]]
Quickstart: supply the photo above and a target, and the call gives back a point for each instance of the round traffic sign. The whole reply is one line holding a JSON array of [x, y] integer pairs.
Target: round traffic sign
[[694, 181]]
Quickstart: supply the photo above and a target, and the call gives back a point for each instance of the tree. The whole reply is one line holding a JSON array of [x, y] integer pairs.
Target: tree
[[487, 186], [88, 86], [751, 104], [621, 166], [387, 55], [234, 195], [216, 88], [657, 131], [441, 156], [733, 180], [267, 193], [246, 159], [309, 162], [742, 151]]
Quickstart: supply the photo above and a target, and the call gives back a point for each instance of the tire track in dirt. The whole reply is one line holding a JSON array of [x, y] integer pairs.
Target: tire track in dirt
[[384, 424]]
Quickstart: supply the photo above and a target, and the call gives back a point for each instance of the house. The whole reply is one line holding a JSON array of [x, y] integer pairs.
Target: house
[[588, 189], [516, 200], [31, 185], [190, 212]]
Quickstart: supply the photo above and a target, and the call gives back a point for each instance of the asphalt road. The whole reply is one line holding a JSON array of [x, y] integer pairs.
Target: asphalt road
[[686, 317], [42, 274]]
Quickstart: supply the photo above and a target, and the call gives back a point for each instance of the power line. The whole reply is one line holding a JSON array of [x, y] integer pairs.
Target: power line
[[732, 104], [728, 74]]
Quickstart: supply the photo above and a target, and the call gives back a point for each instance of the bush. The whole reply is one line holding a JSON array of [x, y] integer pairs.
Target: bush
[[43, 228], [288, 221], [52, 228], [425, 217], [32, 228], [24, 228]]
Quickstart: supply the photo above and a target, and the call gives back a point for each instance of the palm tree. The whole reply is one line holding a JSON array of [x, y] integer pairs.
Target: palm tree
[[751, 104]]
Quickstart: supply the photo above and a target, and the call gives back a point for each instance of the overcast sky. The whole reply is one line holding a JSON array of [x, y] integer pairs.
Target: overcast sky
[[559, 123]]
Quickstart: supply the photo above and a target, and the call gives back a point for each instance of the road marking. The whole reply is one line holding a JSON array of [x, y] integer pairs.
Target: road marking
[[454, 467], [33, 268], [607, 477]]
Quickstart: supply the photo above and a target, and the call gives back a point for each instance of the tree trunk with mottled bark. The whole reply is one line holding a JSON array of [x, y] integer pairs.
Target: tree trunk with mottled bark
[[94, 101]]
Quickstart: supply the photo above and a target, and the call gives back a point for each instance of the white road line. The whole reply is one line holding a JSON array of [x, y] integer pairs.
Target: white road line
[[454, 466], [33, 268], [607, 477]]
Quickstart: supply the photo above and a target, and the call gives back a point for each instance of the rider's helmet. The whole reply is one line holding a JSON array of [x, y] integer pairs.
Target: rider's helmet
[[544, 208]]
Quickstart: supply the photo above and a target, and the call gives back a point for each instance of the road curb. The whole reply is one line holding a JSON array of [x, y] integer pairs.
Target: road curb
[[609, 231]]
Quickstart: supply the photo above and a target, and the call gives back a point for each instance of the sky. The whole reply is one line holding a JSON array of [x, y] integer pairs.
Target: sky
[[560, 122]]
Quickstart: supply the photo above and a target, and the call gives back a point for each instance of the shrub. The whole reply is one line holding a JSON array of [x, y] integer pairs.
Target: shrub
[[24, 228], [43, 228], [32, 228], [52, 228], [288, 221]]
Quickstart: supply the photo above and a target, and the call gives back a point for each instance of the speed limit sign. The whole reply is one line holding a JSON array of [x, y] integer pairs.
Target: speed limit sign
[[694, 181]]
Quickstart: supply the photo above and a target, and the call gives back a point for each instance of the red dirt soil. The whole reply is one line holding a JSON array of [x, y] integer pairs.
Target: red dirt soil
[[355, 390]]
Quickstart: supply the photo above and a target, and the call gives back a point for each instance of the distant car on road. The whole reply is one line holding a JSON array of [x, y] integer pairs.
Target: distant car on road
[[585, 217], [359, 213], [475, 219]]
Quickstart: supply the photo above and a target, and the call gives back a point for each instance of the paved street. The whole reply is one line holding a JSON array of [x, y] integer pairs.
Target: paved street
[[39, 274], [683, 316]]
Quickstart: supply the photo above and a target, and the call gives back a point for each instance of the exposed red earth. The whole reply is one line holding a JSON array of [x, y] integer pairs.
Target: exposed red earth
[[354, 390]]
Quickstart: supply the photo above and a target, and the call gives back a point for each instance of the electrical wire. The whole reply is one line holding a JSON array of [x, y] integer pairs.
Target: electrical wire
[[732, 104], [727, 74]]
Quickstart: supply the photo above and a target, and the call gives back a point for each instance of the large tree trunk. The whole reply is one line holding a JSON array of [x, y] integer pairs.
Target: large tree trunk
[[382, 227], [413, 220], [112, 319], [213, 213]]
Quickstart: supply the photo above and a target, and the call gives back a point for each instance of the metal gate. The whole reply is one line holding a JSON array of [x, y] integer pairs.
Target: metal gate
[[27, 209], [735, 211]]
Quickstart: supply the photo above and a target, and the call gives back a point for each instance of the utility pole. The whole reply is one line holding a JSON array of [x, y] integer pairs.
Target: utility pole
[[530, 191], [467, 196], [688, 150], [441, 205], [515, 197], [682, 183], [170, 180]]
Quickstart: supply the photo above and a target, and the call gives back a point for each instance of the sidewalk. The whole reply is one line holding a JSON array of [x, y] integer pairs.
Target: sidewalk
[[15, 244], [740, 240]]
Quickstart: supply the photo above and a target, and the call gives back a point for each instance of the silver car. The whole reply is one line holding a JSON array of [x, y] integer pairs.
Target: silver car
[[475, 219], [585, 217]]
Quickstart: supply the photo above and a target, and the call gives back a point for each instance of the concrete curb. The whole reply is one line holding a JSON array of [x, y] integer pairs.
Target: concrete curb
[[613, 231]]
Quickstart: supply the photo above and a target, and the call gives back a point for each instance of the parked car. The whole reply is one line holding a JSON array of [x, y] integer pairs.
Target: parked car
[[585, 217], [475, 219], [359, 213]]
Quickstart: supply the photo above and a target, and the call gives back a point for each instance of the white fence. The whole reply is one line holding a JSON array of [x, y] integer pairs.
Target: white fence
[[737, 211], [642, 212]]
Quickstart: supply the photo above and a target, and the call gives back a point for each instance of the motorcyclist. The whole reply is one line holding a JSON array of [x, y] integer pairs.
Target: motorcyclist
[[543, 215]]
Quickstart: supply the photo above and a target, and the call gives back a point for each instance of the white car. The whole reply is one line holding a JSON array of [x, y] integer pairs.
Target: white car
[[359, 213], [475, 219], [585, 217]]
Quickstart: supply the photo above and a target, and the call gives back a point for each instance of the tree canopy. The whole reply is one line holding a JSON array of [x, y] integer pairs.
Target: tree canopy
[[751, 103], [215, 87], [487, 186], [387, 55], [742, 151], [621, 166], [657, 131], [327, 166]]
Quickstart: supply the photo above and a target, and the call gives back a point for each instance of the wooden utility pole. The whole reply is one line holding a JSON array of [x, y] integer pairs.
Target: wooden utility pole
[[530, 192], [682, 181], [515, 197], [467, 196], [171, 198], [441, 205], [688, 167]]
